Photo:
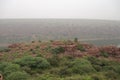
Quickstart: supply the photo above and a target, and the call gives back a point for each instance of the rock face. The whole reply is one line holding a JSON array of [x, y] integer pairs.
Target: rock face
[[90, 49], [57, 43], [93, 51], [13, 46], [71, 48], [111, 50], [87, 46]]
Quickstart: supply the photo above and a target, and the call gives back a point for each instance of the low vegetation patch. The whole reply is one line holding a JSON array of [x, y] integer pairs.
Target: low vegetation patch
[[58, 50], [80, 47]]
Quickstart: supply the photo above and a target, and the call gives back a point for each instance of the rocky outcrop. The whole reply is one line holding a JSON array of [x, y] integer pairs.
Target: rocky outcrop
[[111, 50], [71, 48], [87, 46], [13, 45], [93, 51]]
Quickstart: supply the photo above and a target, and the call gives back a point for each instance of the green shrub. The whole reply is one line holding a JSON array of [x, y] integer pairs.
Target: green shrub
[[7, 68], [48, 77], [27, 69], [11, 68], [69, 57], [17, 76], [78, 77], [65, 71], [33, 62], [31, 49], [104, 54], [48, 48], [78, 66], [80, 47], [75, 39], [55, 70], [100, 76], [33, 41], [54, 60], [51, 40], [82, 66], [111, 75], [37, 47], [105, 65], [39, 55], [39, 41], [57, 50], [4, 50], [65, 61], [2, 66], [117, 69]]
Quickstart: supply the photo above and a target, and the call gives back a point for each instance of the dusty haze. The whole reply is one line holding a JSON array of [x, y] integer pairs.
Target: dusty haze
[[89, 9]]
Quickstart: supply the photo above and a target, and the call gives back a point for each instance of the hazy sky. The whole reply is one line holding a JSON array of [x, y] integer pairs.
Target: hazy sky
[[91, 9]]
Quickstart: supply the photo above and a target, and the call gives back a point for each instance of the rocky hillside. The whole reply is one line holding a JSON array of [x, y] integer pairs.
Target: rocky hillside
[[75, 49]]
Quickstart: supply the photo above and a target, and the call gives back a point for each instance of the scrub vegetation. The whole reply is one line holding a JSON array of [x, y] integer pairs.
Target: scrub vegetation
[[59, 60]]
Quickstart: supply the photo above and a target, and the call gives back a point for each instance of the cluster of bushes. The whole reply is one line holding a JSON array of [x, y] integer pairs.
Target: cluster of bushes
[[104, 54], [77, 66], [4, 49], [60, 68], [33, 64], [110, 69], [88, 68], [12, 71], [80, 47], [22, 68], [54, 60], [57, 50]]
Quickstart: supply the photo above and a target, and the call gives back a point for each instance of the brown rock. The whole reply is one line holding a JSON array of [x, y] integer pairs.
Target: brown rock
[[112, 50], [13, 45], [93, 51]]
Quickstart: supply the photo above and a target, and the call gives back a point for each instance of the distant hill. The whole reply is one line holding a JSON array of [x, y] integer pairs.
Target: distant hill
[[94, 31]]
